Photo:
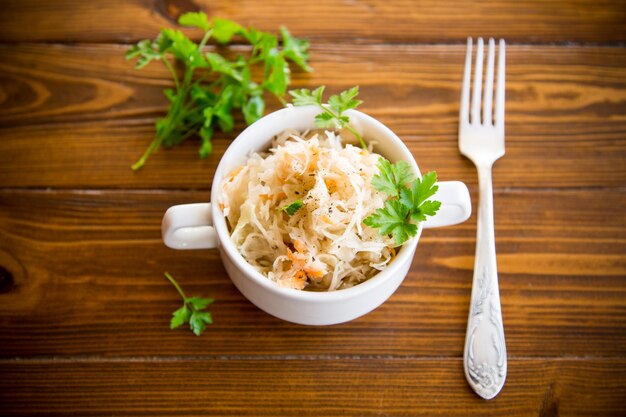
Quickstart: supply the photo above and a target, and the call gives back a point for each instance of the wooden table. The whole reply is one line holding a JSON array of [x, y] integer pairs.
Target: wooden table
[[84, 308]]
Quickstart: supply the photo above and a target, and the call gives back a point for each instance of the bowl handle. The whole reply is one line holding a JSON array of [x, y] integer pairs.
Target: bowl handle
[[189, 226], [456, 205]]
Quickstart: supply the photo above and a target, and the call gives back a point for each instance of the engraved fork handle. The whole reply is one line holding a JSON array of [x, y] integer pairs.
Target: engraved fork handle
[[484, 357]]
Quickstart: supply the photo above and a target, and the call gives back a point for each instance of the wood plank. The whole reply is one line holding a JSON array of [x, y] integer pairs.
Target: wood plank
[[402, 21], [567, 103], [87, 280], [326, 387]]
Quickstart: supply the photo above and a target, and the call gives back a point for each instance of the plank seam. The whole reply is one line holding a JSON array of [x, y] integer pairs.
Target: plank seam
[[193, 358], [332, 42], [111, 190]]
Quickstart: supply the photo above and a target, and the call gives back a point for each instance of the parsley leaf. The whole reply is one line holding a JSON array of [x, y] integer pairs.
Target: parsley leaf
[[420, 191], [406, 204], [199, 320], [180, 316], [345, 100], [292, 208], [224, 30], [195, 19], [332, 115], [427, 208], [146, 50], [392, 178], [391, 219], [184, 49], [253, 109], [206, 147], [425, 187], [305, 97], [209, 87], [296, 49], [278, 78], [191, 311]]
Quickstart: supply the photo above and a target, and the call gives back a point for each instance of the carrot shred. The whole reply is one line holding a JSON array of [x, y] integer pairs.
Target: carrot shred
[[300, 247], [314, 272], [234, 173]]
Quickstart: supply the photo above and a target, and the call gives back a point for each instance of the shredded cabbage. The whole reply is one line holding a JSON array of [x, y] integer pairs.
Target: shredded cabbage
[[324, 245]]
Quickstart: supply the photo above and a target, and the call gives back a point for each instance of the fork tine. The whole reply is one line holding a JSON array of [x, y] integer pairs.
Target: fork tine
[[478, 81], [500, 87], [488, 94], [465, 92]]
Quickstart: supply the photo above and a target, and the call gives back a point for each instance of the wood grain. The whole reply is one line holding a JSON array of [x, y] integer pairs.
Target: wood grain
[[371, 21], [56, 119], [316, 387], [87, 280]]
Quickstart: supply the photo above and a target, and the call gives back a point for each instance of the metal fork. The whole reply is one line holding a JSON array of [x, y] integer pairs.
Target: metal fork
[[482, 141]]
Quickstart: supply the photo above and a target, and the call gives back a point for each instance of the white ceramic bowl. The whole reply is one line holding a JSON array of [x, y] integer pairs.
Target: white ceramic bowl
[[202, 225]]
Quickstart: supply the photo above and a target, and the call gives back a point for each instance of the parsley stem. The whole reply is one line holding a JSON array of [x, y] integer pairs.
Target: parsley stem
[[156, 142], [358, 136], [187, 134], [281, 99], [205, 39], [169, 66], [350, 128], [175, 284], [187, 77], [326, 110]]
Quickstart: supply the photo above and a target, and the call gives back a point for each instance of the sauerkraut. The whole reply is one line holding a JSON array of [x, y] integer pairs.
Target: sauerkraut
[[324, 245]]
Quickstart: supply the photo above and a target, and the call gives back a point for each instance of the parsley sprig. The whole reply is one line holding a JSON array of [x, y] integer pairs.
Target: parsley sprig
[[211, 86], [406, 205], [191, 311], [332, 115]]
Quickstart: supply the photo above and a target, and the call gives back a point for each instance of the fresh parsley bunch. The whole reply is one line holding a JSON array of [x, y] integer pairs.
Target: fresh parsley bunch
[[210, 86], [191, 311], [408, 200], [332, 115]]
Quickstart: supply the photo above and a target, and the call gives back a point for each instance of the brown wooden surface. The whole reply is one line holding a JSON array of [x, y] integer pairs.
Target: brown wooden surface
[[564, 102], [358, 21], [84, 307], [559, 269], [308, 387]]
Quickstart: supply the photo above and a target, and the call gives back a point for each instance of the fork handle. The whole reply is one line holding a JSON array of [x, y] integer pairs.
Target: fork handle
[[484, 358]]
